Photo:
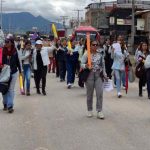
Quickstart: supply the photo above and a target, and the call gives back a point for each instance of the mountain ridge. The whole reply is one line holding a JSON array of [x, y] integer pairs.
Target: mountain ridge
[[24, 21]]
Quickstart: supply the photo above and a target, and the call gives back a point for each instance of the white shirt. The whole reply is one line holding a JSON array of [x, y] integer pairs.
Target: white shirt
[[44, 54]]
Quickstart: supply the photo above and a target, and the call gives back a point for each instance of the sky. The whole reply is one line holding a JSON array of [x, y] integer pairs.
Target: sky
[[49, 9]]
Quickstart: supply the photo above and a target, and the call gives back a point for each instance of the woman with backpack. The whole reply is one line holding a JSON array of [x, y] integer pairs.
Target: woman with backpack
[[10, 57]]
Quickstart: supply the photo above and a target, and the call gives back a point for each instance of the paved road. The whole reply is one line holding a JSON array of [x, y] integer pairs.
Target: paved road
[[58, 121]]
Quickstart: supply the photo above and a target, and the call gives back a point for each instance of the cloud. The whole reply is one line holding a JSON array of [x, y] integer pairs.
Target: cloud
[[50, 9]]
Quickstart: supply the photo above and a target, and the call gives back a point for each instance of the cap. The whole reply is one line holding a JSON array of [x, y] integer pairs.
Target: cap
[[39, 42]]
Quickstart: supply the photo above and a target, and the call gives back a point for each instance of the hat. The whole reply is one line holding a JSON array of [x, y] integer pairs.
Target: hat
[[39, 42]]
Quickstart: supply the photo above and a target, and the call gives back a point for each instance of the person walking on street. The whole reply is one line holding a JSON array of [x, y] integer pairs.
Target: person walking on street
[[10, 57], [141, 55], [95, 78], [61, 55], [71, 64], [118, 64], [40, 63], [26, 61]]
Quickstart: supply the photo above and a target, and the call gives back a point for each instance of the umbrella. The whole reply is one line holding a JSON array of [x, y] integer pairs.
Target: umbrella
[[85, 28]]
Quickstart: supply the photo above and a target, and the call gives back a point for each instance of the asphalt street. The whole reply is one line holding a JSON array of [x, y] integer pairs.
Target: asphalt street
[[58, 121]]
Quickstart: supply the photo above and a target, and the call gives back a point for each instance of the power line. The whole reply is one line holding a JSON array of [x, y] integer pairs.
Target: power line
[[78, 17], [64, 18]]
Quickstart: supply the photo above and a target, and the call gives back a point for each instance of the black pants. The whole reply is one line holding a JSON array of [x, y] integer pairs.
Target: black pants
[[148, 81], [57, 68], [62, 69], [38, 75], [142, 82]]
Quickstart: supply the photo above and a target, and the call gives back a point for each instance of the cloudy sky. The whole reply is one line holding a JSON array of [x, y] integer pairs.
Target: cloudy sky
[[50, 9]]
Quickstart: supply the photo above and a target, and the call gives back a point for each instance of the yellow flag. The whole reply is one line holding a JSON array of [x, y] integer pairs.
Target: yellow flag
[[21, 83], [69, 46], [54, 30]]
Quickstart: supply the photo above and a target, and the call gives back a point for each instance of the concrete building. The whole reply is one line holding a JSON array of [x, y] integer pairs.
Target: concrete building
[[97, 14]]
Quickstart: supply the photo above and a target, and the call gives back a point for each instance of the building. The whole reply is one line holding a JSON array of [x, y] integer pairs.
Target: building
[[120, 20], [97, 14]]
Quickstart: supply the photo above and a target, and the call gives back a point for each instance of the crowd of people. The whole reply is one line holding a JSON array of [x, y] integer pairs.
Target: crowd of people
[[109, 60]]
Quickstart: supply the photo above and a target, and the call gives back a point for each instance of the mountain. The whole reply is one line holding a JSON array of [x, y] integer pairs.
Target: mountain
[[24, 21]]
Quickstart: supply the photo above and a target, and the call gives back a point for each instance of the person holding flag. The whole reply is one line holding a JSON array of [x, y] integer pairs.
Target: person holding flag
[[94, 61], [71, 63]]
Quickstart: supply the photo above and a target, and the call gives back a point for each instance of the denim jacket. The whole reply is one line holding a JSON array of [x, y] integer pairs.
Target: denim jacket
[[119, 59]]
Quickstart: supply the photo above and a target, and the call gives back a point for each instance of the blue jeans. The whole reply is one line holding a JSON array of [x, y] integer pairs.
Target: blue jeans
[[27, 76], [119, 76], [71, 70], [8, 98], [123, 78]]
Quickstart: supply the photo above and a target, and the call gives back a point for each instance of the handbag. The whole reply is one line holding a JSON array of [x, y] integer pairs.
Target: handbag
[[4, 87], [5, 74], [140, 70], [84, 74], [5, 79]]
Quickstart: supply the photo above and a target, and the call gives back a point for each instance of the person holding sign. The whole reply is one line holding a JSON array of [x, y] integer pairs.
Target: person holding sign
[[96, 77]]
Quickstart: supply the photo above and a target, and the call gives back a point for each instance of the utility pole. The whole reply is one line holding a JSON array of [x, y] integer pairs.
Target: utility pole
[[78, 17], [64, 18], [133, 25]]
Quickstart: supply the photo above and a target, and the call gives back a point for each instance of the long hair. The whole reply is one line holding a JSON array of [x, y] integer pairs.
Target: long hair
[[141, 44], [12, 50]]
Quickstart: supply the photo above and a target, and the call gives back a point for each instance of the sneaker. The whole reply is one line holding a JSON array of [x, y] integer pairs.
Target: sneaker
[[100, 115], [28, 93], [61, 80], [140, 95], [69, 86], [115, 86], [38, 92], [10, 110], [44, 92], [119, 95], [90, 114], [144, 88], [5, 107], [22, 93], [123, 87]]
